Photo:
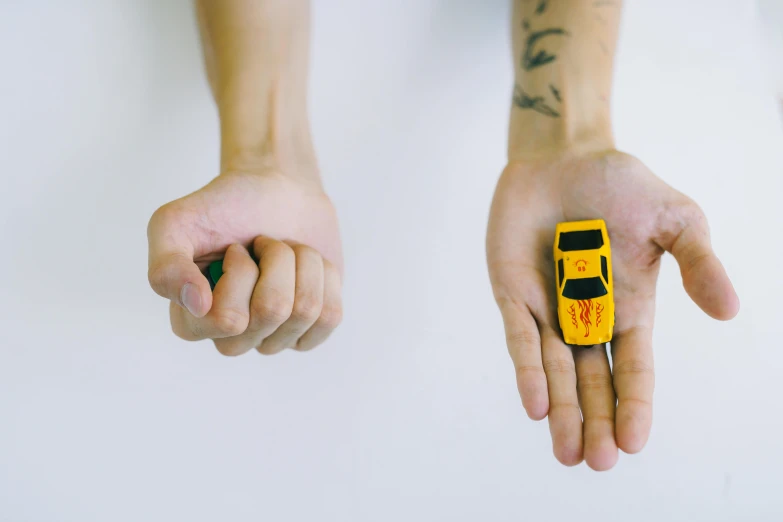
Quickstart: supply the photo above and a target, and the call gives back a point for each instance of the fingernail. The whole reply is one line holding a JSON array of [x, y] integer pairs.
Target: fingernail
[[190, 298]]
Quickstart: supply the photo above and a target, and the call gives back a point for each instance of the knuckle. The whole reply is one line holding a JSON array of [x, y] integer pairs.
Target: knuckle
[[251, 267], [307, 307], [266, 247], [526, 371], [163, 217], [681, 224], [523, 338], [162, 272], [331, 316], [330, 268], [637, 403], [186, 334], [505, 303], [278, 248], [229, 349], [695, 260], [564, 407], [272, 308], [304, 250], [303, 347], [269, 349], [188, 330], [559, 365], [693, 226], [595, 381], [157, 275], [633, 367], [600, 418], [691, 213], [231, 322], [502, 299]]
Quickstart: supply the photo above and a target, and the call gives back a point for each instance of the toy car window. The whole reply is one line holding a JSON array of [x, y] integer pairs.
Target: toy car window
[[580, 240], [604, 269], [587, 288], [560, 272]]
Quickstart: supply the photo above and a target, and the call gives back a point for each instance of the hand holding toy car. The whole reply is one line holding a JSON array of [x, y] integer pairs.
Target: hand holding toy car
[[645, 218]]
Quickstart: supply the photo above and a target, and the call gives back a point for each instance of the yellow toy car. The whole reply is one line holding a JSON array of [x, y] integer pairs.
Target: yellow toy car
[[585, 298]]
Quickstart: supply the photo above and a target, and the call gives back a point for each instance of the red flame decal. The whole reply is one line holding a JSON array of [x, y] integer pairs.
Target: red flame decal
[[585, 307], [572, 313], [598, 309]]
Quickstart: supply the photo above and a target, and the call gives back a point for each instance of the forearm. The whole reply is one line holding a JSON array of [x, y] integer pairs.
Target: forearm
[[256, 56], [563, 56]]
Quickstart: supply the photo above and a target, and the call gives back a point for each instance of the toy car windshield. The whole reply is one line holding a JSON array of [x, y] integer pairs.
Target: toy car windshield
[[586, 288], [581, 240]]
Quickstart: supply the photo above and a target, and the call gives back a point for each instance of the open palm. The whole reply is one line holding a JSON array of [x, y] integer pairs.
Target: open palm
[[593, 409]]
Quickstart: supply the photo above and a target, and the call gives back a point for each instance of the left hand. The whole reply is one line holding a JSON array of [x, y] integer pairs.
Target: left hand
[[644, 217]]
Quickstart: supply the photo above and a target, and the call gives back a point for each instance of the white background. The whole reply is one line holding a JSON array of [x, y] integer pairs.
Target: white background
[[410, 411]]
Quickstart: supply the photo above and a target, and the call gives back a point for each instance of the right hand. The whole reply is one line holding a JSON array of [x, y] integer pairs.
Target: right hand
[[594, 408], [291, 298]]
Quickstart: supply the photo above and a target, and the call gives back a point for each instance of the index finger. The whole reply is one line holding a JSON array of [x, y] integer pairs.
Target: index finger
[[172, 273], [524, 346]]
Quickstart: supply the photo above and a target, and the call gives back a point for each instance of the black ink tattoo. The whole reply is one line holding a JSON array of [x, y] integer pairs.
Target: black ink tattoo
[[525, 101], [555, 92], [530, 59]]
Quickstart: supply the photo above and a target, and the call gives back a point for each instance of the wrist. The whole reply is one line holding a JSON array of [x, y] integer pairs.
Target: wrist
[[577, 126], [264, 125], [564, 54]]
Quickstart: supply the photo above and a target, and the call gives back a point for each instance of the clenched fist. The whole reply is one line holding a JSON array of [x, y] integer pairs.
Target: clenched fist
[[282, 262]]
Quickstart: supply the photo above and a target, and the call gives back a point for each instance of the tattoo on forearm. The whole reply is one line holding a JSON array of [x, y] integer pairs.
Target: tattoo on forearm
[[524, 100], [535, 55], [533, 58], [555, 92]]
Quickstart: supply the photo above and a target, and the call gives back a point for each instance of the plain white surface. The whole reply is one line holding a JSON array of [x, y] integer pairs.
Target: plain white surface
[[410, 411], [770, 14]]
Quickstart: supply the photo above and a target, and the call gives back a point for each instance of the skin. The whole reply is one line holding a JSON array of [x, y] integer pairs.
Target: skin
[[268, 200], [566, 168], [267, 215]]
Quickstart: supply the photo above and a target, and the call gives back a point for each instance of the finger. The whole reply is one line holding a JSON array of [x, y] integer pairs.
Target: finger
[[634, 381], [597, 400], [272, 299], [230, 312], [331, 313], [273, 296], [565, 419], [524, 346], [171, 272], [686, 235], [308, 301]]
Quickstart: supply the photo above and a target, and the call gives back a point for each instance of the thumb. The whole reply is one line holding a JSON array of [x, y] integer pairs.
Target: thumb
[[172, 273], [703, 276]]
